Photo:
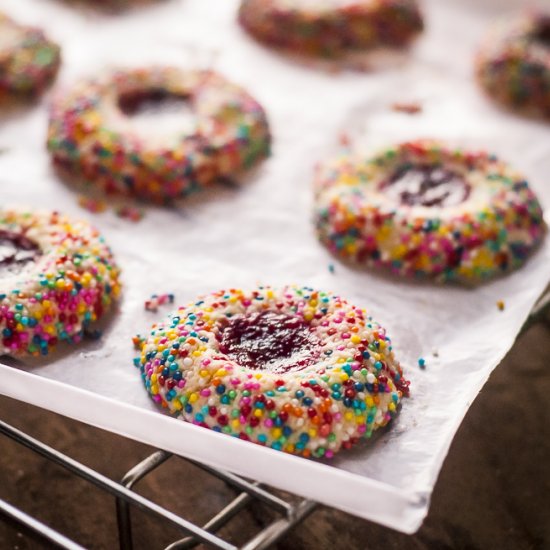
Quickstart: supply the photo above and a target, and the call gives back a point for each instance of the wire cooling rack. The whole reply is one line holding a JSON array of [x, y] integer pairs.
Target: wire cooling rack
[[290, 514]]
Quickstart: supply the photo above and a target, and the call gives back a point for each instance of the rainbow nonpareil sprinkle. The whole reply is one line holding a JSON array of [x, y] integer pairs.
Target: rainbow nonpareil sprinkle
[[158, 300]]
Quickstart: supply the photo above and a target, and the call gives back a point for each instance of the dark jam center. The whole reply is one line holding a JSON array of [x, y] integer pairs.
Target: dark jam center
[[16, 251], [268, 341], [542, 33], [152, 101], [426, 185]]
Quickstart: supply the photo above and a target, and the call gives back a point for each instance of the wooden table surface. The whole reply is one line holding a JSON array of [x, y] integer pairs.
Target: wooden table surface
[[493, 491]]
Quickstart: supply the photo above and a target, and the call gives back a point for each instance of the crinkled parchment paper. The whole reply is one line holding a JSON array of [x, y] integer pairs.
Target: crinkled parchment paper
[[261, 231]]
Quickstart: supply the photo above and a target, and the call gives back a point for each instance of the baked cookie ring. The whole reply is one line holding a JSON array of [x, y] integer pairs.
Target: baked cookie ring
[[331, 28], [91, 136], [57, 276], [293, 369], [28, 60], [513, 65], [422, 209]]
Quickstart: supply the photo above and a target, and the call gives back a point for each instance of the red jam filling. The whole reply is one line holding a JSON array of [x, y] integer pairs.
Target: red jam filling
[[542, 32], [269, 341], [16, 251], [426, 185]]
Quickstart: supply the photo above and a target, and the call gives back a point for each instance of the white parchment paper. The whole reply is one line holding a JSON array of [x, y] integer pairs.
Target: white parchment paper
[[261, 231]]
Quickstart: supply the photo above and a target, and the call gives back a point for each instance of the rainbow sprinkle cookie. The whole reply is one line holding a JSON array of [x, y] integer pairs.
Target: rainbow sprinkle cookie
[[513, 65], [422, 209], [91, 135], [28, 60], [331, 28], [56, 277], [293, 369]]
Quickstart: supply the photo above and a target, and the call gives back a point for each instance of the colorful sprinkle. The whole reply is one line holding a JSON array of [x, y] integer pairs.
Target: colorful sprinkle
[[138, 341], [501, 305], [158, 300], [95, 206], [130, 213], [423, 209], [293, 369]]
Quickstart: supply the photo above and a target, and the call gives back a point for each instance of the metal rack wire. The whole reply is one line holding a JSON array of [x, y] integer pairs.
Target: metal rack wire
[[290, 514]]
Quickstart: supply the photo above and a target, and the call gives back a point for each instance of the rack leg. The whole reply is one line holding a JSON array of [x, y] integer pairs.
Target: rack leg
[[124, 521]]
